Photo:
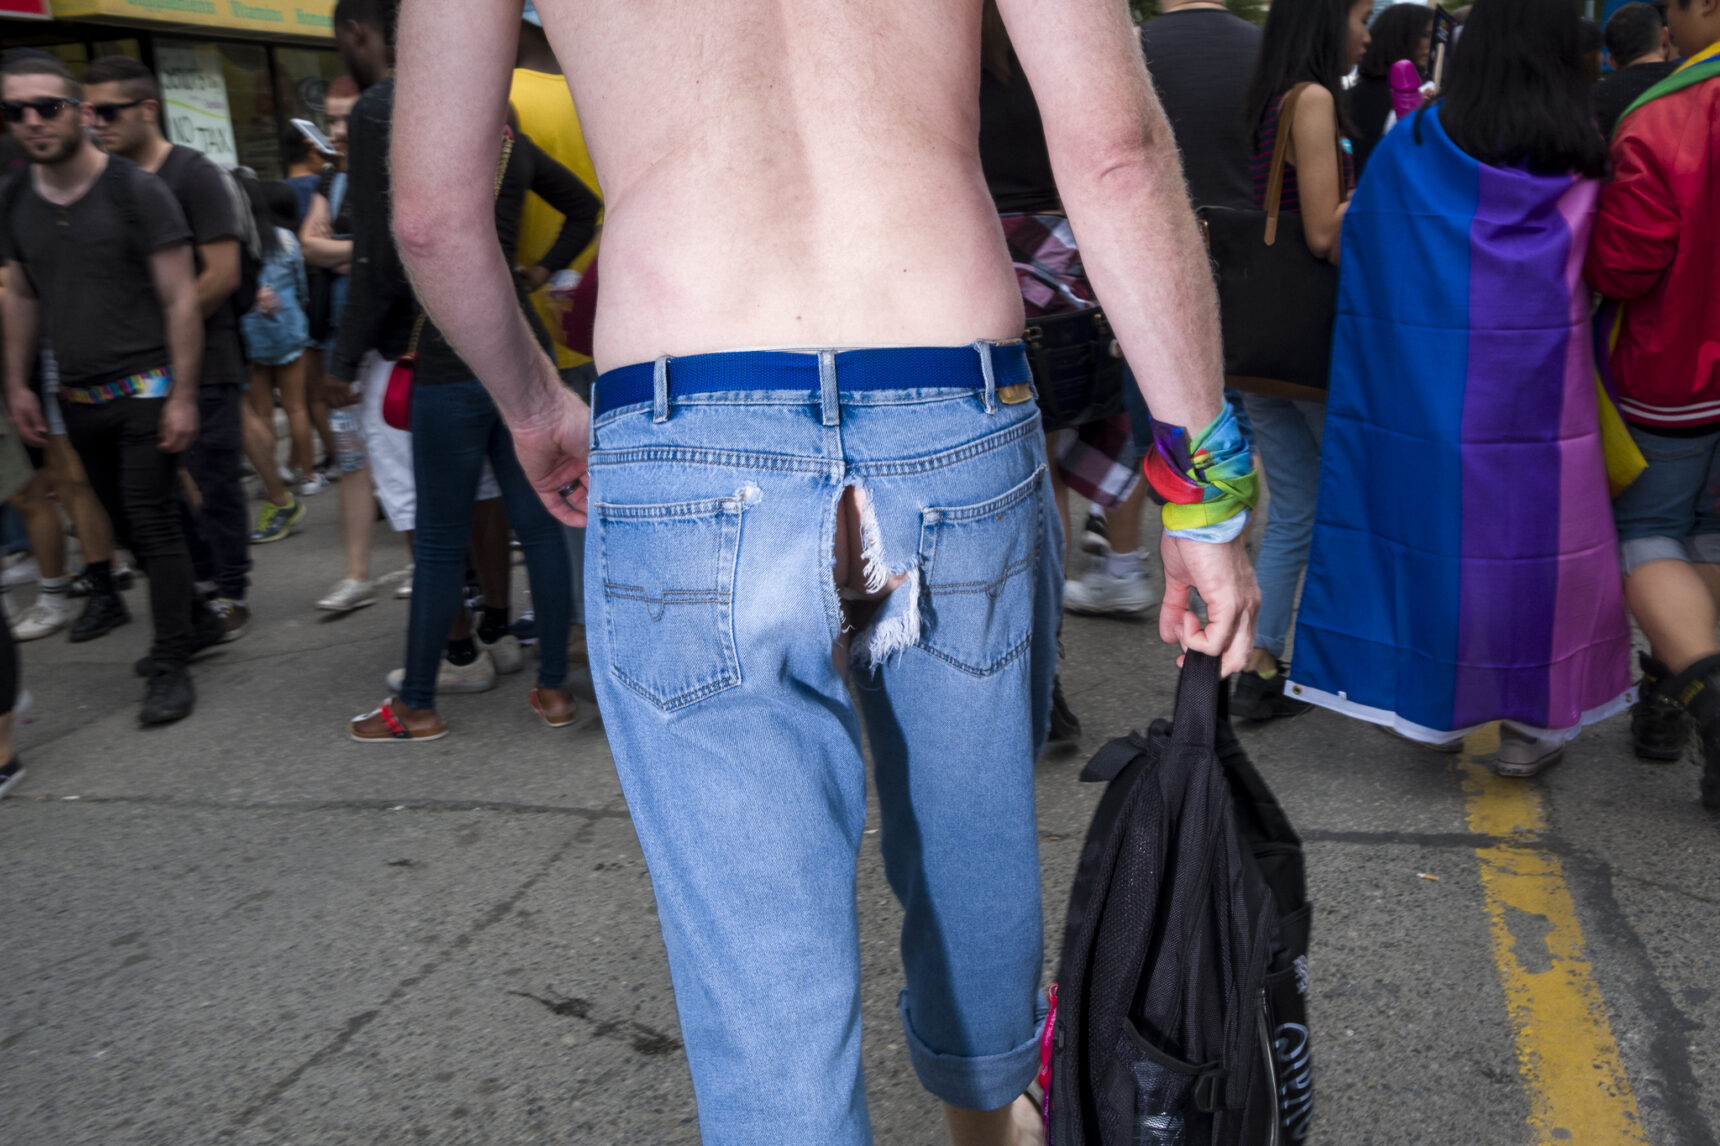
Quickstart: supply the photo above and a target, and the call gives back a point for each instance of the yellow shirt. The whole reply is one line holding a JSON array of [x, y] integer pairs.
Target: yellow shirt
[[545, 110]]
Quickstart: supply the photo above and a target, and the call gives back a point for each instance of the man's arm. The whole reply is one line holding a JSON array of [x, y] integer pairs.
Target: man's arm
[[455, 64], [176, 287], [220, 275], [1636, 226], [18, 312], [1121, 181]]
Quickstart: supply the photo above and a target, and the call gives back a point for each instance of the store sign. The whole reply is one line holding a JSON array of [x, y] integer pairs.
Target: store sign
[[25, 9], [297, 18], [194, 99]]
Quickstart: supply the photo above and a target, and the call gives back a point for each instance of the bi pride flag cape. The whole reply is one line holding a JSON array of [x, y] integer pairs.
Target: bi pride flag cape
[[1464, 566]]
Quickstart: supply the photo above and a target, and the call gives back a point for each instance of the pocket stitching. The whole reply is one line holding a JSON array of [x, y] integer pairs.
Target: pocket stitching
[[726, 513], [934, 516]]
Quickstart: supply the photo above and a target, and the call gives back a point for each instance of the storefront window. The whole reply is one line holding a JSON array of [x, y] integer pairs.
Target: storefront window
[[304, 75], [219, 99]]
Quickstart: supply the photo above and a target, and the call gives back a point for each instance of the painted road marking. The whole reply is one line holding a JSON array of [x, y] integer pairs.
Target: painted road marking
[[1579, 1094]]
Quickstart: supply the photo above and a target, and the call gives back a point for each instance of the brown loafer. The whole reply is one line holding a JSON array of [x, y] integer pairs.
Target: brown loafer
[[554, 714], [381, 725]]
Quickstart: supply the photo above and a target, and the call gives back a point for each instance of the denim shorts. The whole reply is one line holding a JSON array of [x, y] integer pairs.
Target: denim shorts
[[711, 618], [1672, 511]]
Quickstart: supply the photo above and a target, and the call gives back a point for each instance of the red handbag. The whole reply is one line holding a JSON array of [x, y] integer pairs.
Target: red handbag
[[397, 398]]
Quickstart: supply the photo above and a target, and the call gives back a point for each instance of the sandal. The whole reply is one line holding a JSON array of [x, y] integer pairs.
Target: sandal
[[567, 721], [392, 729]]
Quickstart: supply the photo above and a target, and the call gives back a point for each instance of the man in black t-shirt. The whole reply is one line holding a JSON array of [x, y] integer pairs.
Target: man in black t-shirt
[[1201, 57], [126, 101], [1640, 48], [98, 259]]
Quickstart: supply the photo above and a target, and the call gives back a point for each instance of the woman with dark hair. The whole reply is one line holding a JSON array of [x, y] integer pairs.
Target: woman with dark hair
[[1464, 563], [1400, 32], [1307, 47]]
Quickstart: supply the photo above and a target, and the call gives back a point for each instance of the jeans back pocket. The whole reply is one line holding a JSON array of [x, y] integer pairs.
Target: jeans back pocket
[[668, 596], [979, 564]]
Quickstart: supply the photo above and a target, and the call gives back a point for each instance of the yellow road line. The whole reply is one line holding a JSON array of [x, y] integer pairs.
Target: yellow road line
[[1579, 1094]]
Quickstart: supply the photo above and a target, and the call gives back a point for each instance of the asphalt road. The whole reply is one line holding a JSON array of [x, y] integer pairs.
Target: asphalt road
[[246, 929]]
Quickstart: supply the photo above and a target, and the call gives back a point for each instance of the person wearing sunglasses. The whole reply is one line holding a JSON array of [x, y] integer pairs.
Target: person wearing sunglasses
[[118, 306], [126, 108]]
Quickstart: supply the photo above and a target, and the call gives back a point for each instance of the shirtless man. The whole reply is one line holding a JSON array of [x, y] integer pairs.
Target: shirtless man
[[779, 173]]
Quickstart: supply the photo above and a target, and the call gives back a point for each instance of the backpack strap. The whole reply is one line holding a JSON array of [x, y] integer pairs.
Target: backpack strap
[[1198, 692]]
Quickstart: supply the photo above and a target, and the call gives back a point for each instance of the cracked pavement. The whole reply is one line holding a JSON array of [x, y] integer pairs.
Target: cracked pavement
[[247, 929]]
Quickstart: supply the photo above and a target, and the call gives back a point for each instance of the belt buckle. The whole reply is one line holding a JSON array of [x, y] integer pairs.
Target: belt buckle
[[1016, 394]]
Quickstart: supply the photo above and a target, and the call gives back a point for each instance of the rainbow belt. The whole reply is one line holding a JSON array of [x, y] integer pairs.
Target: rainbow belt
[[157, 383]]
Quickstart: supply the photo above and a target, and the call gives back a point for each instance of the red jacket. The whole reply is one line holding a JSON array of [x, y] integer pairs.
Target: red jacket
[[1656, 245]]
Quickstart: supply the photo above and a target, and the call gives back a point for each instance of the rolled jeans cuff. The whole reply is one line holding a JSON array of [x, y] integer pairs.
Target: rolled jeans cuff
[[987, 1082], [1639, 551]]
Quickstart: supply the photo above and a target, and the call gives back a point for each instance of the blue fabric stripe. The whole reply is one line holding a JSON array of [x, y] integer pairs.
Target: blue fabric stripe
[[1377, 619]]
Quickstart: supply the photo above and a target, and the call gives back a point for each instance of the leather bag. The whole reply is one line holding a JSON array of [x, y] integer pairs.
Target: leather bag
[[1277, 300]]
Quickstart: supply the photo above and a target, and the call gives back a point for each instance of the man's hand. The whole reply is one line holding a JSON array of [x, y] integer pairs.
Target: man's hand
[[337, 393], [178, 422], [26, 413], [1224, 579], [552, 450]]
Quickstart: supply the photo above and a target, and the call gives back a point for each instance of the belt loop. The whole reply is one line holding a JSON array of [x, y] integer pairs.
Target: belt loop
[[660, 390], [984, 349], [828, 396]]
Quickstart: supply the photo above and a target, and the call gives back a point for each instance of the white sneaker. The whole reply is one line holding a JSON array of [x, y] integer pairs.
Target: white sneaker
[[505, 651], [479, 676], [313, 485], [348, 595], [46, 617], [1100, 594], [404, 589]]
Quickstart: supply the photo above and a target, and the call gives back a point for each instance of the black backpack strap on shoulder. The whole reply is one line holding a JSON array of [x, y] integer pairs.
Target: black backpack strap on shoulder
[[1198, 698]]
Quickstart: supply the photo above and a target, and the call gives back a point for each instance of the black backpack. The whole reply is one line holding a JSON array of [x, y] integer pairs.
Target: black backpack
[[1181, 1017]]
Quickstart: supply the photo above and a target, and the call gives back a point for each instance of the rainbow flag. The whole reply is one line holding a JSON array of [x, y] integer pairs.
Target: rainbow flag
[[1464, 567]]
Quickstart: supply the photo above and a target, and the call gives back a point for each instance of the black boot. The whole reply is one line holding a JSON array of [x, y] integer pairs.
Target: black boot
[[1697, 691], [1262, 698], [103, 613], [170, 695], [1658, 728], [208, 629]]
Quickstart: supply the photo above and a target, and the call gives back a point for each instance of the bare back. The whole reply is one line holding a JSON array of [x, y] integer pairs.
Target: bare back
[[786, 173]]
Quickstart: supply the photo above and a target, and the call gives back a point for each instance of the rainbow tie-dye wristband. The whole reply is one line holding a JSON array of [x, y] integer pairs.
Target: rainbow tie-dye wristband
[[1207, 485]]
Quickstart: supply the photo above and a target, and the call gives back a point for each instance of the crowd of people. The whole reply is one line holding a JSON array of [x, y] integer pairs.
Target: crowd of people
[[1495, 478], [139, 425]]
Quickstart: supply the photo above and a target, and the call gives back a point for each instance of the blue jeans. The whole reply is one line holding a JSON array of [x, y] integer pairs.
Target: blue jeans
[[1672, 511], [455, 426], [712, 614], [1287, 435]]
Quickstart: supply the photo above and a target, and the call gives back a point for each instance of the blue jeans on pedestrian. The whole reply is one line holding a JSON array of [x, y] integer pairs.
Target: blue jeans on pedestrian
[[455, 427], [712, 613], [1287, 438]]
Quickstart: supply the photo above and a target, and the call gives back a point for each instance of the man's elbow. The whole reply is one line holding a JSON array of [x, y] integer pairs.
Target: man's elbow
[[426, 226]]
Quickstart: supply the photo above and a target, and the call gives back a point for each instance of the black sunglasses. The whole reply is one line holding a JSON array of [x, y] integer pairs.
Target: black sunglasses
[[110, 111], [46, 109]]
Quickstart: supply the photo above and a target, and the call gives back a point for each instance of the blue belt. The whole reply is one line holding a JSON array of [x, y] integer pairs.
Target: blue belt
[[907, 368]]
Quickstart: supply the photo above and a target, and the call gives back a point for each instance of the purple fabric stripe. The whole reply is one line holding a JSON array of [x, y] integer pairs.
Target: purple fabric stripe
[[1591, 639], [1513, 409]]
